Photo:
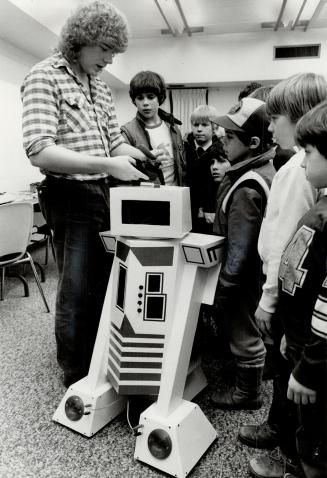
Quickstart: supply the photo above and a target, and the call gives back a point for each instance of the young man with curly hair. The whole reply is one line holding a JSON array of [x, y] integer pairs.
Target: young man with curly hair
[[71, 133]]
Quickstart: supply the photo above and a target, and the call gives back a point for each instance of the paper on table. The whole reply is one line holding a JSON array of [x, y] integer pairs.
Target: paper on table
[[7, 197]]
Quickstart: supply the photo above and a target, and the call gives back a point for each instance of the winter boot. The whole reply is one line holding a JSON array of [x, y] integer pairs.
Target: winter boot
[[259, 436], [245, 394]]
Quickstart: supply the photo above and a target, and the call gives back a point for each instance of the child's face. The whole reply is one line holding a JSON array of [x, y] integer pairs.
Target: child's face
[[235, 150], [147, 105], [283, 131], [315, 165], [218, 169], [202, 131]]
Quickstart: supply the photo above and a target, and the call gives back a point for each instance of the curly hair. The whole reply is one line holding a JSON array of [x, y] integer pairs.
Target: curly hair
[[92, 24], [147, 82]]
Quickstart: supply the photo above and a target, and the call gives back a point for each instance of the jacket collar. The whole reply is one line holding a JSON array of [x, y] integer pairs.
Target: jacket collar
[[257, 161]]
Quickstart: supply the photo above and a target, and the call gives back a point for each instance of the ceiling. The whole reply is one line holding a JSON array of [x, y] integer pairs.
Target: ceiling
[[34, 25], [153, 18]]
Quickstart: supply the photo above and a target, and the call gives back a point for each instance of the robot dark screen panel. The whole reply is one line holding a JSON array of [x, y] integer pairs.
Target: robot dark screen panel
[[154, 283], [121, 288], [154, 213], [155, 308]]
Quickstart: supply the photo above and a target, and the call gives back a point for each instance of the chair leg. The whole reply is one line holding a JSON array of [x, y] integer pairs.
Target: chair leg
[[24, 281], [52, 246], [41, 271], [47, 251], [2, 282], [37, 280], [18, 276]]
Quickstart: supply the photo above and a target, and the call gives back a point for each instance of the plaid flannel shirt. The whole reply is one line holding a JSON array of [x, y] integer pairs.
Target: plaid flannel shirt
[[57, 110]]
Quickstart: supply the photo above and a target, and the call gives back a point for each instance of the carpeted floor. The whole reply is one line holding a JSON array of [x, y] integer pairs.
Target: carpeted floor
[[32, 445]]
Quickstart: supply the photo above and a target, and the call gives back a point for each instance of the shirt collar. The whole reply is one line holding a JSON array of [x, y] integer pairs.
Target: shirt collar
[[60, 61], [203, 147]]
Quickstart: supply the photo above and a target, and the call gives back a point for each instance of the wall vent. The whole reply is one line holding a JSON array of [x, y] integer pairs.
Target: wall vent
[[296, 51]]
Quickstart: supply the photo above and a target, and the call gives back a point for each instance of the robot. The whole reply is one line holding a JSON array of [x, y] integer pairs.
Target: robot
[[161, 274]]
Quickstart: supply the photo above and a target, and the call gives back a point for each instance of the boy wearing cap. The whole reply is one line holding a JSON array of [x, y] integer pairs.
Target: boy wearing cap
[[239, 214]]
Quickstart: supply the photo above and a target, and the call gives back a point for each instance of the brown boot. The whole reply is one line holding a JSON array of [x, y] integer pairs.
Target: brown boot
[[245, 395]]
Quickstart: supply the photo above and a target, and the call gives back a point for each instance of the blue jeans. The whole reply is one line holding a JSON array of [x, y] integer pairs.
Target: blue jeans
[[76, 212]]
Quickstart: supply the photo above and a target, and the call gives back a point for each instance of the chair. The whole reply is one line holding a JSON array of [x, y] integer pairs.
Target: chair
[[41, 235], [16, 221]]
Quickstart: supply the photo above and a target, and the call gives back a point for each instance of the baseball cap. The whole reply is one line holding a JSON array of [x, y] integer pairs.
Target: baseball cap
[[248, 116]]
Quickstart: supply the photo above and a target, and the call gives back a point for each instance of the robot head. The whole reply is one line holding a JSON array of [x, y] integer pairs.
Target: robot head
[[149, 211]]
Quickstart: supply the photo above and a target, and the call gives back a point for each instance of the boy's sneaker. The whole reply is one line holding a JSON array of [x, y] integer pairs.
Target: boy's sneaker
[[268, 466], [258, 436]]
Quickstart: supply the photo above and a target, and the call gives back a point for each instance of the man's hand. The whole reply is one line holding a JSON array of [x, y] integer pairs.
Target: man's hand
[[121, 167], [263, 320], [298, 393]]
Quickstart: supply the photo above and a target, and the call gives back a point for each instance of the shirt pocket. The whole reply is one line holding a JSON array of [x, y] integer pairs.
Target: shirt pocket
[[75, 113]]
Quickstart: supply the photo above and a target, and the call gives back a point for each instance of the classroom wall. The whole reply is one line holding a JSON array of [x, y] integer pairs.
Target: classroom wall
[[227, 59], [220, 58], [16, 171]]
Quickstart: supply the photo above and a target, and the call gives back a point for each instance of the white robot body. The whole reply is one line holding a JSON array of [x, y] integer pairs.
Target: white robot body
[[145, 275], [157, 284]]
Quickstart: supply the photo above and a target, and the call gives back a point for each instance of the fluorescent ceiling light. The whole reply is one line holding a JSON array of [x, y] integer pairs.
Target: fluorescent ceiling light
[[296, 9], [171, 15]]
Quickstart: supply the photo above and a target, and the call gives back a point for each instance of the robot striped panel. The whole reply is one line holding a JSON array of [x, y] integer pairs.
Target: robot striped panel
[[135, 360]]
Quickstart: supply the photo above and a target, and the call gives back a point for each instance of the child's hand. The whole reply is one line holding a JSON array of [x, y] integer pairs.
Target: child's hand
[[162, 155], [209, 217], [200, 213], [298, 393], [263, 320], [283, 347]]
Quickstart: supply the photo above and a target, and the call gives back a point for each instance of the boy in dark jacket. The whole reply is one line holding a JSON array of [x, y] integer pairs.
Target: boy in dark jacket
[[240, 210], [198, 144], [155, 129]]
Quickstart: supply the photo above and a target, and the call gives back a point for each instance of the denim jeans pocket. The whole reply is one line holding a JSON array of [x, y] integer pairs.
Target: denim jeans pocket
[[43, 196]]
